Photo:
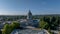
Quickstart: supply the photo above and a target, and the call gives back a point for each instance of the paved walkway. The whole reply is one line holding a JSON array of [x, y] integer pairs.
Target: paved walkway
[[33, 28], [30, 30], [59, 32]]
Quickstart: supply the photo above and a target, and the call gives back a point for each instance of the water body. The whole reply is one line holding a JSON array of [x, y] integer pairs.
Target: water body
[[28, 31]]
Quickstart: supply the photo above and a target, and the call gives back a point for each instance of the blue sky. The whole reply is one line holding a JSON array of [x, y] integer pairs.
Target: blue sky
[[21, 7]]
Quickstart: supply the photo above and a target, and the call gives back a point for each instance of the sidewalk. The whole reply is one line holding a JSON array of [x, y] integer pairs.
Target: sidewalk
[[59, 32]]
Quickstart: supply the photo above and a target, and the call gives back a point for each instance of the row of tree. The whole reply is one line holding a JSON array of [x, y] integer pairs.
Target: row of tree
[[49, 22]]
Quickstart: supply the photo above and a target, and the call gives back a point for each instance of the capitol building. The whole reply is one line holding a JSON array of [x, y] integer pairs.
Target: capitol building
[[29, 21]]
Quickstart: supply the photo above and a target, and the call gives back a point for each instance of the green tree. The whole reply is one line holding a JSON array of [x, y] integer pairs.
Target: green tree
[[14, 25], [8, 28], [53, 21], [43, 25]]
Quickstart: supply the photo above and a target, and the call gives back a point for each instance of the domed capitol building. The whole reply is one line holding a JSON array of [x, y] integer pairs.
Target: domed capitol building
[[29, 26], [29, 21]]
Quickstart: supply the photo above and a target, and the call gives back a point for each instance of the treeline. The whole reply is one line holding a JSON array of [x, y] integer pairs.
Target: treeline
[[11, 18], [49, 22], [14, 18]]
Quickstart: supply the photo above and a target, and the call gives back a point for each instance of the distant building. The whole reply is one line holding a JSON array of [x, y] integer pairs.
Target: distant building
[[29, 21]]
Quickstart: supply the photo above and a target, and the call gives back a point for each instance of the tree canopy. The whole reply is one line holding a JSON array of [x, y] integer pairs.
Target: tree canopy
[[8, 28]]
